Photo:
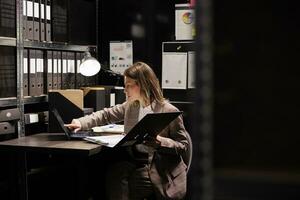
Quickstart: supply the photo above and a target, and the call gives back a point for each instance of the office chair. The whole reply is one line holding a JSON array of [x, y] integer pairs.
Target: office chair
[[189, 155]]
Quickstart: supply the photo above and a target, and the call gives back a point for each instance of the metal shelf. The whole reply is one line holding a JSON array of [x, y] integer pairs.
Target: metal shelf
[[37, 99], [12, 101], [8, 41], [58, 46], [7, 102]]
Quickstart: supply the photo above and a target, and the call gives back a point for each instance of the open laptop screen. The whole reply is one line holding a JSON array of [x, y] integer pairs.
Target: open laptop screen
[[61, 123]]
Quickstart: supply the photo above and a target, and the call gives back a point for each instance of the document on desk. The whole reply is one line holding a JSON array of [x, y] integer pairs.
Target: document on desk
[[110, 135], [110, 128], [106, 140]]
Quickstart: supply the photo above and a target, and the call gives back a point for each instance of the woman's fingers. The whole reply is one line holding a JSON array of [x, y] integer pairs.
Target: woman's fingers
[[75, 125], [72, 126], [77, 129]]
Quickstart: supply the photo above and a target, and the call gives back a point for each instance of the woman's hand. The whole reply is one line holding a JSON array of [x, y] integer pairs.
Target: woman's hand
[[75, 125], [158, 141], [164, 141], [152, 141]]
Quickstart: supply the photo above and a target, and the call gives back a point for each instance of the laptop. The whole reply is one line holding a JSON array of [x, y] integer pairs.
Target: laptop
[[71, 134], [149, 126]]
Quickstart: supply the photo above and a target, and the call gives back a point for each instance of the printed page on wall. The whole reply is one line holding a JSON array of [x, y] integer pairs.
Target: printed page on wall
[[120, 55]]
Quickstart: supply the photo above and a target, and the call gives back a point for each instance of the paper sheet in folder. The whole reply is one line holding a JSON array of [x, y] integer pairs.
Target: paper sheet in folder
[[108, 140], [110, 128]]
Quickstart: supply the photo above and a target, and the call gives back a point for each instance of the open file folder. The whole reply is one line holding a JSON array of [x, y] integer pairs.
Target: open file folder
[[151, 125], [109, 129]]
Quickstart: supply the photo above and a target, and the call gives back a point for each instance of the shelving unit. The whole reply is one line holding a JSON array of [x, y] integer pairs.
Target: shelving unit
[[59, 46], [20, 43], [12, 101]]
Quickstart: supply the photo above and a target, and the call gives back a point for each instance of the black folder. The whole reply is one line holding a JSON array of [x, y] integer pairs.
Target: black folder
[[50, 78], [25, 72], [42, 20], [29, 21], [78, 78], [55, 74], [64, 81], [71, 69], [32, 73], [59, 69], [48, 20], [39, 72], [25, 19], [36, 20]]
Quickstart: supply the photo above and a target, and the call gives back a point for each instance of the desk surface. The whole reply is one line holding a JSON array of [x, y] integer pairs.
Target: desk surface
[[50, 142]]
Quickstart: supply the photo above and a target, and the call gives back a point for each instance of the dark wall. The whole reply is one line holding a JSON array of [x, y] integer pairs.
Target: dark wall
[[74, 21], [256, 84], [256, 109], [156, 18]]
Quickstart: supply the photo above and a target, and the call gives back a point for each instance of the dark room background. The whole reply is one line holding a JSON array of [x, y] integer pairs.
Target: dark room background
[[256, 106]]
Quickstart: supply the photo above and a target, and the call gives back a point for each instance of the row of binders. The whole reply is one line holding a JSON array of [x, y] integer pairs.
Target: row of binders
[[37, 20], [46, 70], [7, 72], [7, 18]]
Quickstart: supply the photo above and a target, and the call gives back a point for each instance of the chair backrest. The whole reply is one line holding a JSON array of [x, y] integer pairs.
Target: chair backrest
[[189, 153]]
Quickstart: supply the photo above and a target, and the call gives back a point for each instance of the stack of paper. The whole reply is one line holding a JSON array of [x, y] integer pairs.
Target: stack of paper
[[109, 140], [110, 128]]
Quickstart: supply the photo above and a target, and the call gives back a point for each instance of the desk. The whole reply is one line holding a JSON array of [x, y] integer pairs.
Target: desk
[[51, 143]]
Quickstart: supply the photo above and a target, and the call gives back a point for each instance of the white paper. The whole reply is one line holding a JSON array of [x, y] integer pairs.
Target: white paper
[[36, 10], [78, 65], [40, 65], [49, 65], [29, 9], [54, 65], [110, 128], [64, 66], [112, 99], [58, 65], [184, 24], [71, 66], [32, 66], [48, 11], [191, 69], [109, 140], [120, 56], [42, 11], [25, 65], [33, 118], [174, 70]]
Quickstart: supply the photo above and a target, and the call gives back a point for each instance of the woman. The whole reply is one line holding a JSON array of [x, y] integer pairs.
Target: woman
[[154, 167]]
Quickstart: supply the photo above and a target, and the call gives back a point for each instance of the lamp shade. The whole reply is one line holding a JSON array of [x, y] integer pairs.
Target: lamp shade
[[89, 65]]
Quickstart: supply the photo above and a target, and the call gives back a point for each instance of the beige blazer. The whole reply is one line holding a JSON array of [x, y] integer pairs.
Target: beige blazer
[[167, 169]]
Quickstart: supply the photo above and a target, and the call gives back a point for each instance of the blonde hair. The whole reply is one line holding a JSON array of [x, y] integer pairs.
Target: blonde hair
[[145, 77]]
